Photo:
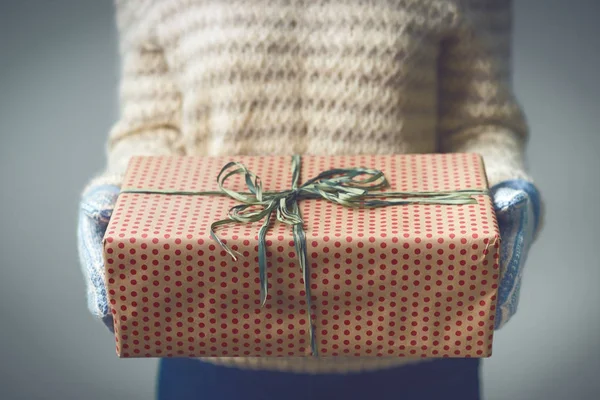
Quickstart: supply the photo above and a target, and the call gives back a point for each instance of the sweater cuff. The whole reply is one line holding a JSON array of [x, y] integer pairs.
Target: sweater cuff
[[106, 179], [502, 151], [156, 142]]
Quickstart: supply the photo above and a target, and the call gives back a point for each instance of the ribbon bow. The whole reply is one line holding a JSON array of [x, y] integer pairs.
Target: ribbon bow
[[339, 185]]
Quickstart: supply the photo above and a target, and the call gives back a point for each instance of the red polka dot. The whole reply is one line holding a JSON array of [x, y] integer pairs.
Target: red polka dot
[[361, 261]]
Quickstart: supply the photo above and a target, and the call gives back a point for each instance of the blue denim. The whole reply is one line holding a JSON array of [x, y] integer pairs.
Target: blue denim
[[447, 379]]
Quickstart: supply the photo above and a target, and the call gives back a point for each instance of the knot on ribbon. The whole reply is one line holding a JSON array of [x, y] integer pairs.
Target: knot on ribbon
[[340, 186]]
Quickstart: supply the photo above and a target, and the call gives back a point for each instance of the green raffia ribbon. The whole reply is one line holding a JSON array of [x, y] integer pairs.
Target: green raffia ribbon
[[339, 185]]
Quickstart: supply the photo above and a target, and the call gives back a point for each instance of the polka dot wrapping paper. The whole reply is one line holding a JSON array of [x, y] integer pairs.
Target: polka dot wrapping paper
[[409, 280]]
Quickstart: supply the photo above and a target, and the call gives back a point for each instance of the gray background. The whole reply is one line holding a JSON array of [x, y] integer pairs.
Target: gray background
[[58, 78]]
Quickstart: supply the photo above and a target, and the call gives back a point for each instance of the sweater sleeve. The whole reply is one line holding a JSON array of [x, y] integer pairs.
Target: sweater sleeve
[[477, 110], [150, 101]]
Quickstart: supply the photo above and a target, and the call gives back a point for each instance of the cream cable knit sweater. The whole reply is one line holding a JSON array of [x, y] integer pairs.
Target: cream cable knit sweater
[[317, 77]]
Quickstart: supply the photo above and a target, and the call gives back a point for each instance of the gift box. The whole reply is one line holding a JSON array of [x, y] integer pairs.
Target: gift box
[[410, 278]]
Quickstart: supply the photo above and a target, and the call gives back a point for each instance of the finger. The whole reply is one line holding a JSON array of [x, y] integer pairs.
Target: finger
[[506, 199]]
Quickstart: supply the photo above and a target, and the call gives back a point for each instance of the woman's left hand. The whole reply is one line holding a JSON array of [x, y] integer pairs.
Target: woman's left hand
[[518, 208]]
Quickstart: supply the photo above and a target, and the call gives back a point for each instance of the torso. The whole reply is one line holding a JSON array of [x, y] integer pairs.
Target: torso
[[327, 77]]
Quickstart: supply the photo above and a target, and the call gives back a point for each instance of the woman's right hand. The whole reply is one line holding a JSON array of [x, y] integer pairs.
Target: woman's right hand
[[95, 210]]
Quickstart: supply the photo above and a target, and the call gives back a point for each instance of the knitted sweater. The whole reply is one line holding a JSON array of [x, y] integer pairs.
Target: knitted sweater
[[261, 77]]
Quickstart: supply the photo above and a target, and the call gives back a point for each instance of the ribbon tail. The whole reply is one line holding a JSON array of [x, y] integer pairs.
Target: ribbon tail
[[214, 236], [262, 259], [300, 244]]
